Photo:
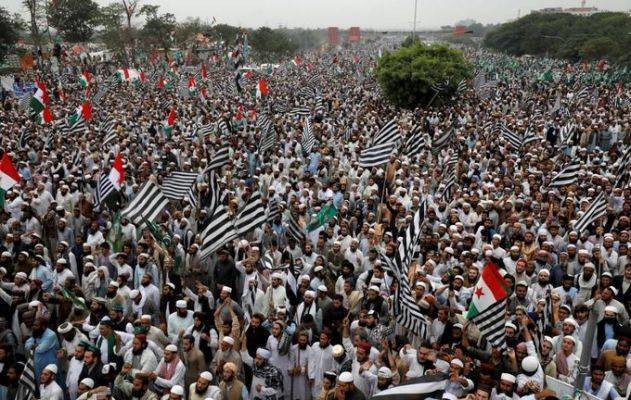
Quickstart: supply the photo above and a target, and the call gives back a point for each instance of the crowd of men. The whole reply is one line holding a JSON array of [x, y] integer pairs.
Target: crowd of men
[[91, 308]]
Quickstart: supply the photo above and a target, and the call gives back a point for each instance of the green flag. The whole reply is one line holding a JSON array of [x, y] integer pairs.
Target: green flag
[[546, 76], [71, 296], [326, 213]]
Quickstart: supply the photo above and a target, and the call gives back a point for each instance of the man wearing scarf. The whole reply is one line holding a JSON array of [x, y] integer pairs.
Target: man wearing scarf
[[232, 388], [108, 341], [170, 371], [267, 381], [298, 357]]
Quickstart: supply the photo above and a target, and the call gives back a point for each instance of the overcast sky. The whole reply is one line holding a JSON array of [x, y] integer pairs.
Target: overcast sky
[[375, 14]]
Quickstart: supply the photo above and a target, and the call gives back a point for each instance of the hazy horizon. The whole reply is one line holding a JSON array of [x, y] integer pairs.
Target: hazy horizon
[[367, 14]]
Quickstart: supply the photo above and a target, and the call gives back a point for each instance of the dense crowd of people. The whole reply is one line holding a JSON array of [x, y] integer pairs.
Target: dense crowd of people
[[94, 307]]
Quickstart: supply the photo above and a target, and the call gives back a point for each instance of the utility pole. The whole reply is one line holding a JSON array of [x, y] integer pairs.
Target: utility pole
[[414, 24]]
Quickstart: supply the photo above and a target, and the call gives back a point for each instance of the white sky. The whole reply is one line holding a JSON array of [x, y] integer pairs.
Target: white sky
[[374, 14]]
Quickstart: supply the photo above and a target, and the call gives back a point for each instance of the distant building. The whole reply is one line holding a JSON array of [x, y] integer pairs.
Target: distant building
[[582, 11]]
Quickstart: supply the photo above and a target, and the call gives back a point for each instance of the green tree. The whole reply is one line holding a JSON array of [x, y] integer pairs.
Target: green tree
[[10, 26], [74, 19], [408, 74], [601, 35], [37, 16], [271, 45], [158, 29], [110, 19]]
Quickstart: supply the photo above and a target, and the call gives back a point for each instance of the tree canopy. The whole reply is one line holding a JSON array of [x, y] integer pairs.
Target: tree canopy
[[601, 35], [10, 26], [74, 19], [270, 45], [409, 74]]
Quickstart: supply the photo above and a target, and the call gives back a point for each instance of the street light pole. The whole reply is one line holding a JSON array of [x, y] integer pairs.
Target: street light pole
[[414, 25]]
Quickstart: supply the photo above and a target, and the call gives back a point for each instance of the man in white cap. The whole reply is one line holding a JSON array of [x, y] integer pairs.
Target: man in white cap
[[170, 371], [384, 380], [154, 334], [203, 389], [84, 387], [607, 298], [345, 388], [459, 384], [61, 273], [531, 378], [253, 298], [298, 363], [226, 354], [70, 338], [275, 296], [267, 380], [178, 321], [309, 306], [48, 388], [569, 327], [175, 393], [320, 360], [144, 266], [505, 388]]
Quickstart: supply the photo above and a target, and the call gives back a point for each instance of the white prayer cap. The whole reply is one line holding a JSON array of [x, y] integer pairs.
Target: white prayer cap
[[206, 376], [226, 289], [459, 277], [64, 328], [571, 321], [134, 293], [530, 364], [62, 261], [144, 255], [114, 284], [345, 377], [172, 348], [318, 268], [544, 271], [277, 275], [228, 340], [145, 317], [310, 293], [89, 382], [177, 390], [108, 367], [337, 350], [6, 254], [570, 337], [34, 304], [21, 275], [457, 362], [52, 368], [322, 288], [511, 325], [611, 309], [508, 377], [263, 353], [180, 304], [384, 372]]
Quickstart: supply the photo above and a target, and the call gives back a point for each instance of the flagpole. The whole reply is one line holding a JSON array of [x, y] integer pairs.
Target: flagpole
[[586, 354], [414, 25]]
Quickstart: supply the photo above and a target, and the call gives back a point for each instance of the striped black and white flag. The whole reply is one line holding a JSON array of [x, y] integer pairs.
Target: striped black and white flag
[[273, 210], [389, 133], [177, 185], [224, 127], [218, 233], [214, 192], [27, 387], [104, 188], [269, 140], [77, 128], [308, 140], [205, 130], [191, 197], [597, 209], [295, 230], [301, 111], [568, 175], [529, 137], [220, 158], [442, 142], [148, 203], [424, 387], [319, 104], [376, 155], [462, 86], [513, 138], [416, 142], [623, 170], [252, 215], [407, 312]]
